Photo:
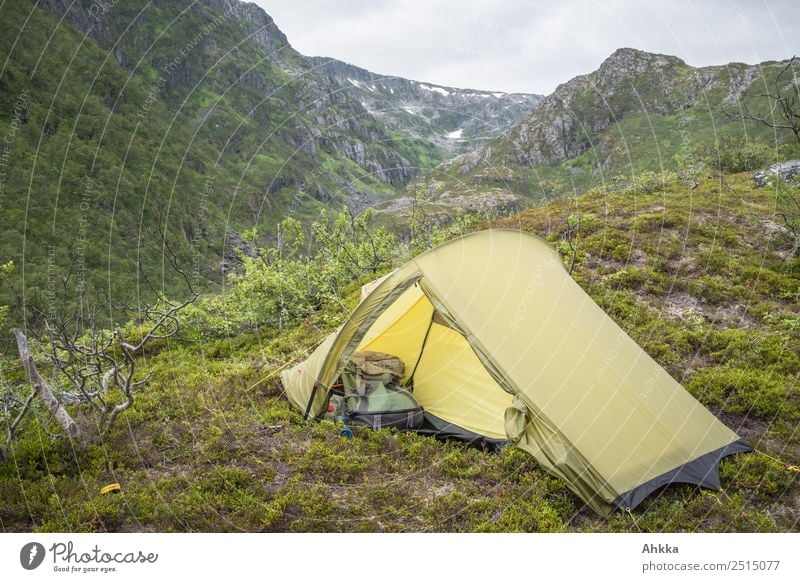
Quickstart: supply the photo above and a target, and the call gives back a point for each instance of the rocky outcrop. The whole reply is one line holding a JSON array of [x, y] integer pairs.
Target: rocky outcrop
[[337, 109], [563, 124], [442, 208], [465, 163], [788, 171], [455, 119], [235, 248], [389, 126], [582, 113]]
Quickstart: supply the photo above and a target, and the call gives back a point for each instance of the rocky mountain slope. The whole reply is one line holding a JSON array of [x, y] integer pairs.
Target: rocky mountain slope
[[204, 48], [638, 111], [198, 118], [454, 119]]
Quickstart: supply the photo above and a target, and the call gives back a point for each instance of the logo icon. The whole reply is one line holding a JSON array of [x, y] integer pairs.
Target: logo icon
[[31, 555]]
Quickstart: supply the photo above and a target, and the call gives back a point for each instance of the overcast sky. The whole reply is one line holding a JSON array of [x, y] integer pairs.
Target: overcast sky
[[521, 45]]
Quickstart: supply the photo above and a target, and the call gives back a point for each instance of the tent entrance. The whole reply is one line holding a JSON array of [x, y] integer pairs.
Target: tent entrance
[[449, 381]]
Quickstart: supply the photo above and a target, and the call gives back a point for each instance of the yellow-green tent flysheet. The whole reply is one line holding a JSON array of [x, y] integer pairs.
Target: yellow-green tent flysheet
[[504, 344]]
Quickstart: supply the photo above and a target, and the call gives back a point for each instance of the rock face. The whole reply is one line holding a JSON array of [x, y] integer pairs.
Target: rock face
[[788, 171], [637, 112], [562, 125], [322, 120], [583, 113], [235, 244], [455, 119], [234, 127]]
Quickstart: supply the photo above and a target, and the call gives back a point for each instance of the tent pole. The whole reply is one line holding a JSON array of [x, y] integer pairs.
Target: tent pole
[[421, 349], [311, 400]]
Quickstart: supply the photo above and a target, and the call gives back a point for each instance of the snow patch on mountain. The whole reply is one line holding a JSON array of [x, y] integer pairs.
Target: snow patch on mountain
[[439, 90]]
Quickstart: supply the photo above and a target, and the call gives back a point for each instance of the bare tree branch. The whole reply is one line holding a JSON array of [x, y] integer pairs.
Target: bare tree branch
[[782, 101], [125, 384], [25, 407], [43, 390], [568, 235]]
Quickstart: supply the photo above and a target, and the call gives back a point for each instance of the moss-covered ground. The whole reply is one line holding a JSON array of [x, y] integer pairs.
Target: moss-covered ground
[[697, 275]]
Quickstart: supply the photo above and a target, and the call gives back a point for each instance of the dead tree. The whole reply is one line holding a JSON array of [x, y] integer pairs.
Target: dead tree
[[784, 103], [94, 368], [568, 235], [42, 390]]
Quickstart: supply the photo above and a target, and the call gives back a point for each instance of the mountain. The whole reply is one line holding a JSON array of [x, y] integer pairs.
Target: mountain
[[637, 112], [454, 119], [196, 118]]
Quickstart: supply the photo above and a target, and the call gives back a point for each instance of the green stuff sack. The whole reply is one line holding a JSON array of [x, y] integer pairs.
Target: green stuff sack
[[374, 396]]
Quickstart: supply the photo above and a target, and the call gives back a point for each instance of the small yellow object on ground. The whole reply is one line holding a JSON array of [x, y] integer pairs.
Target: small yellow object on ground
[[113, 488]]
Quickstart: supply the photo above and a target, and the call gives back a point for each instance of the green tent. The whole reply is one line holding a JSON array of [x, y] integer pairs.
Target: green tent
[[503, 344]]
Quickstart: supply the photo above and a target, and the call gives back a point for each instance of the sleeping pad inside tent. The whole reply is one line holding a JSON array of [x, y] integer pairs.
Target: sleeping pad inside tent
[[496, 342]]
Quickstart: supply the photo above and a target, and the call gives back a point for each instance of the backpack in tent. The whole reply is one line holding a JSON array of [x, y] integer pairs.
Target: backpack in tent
[[374, 396]]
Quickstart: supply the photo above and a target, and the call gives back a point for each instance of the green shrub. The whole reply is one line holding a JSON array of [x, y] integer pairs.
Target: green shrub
[[757, 476], [288, 282], [714, 289], [787, 202], [645, 182], [744, 391], [736, 155], [645, 278], [527, 514]]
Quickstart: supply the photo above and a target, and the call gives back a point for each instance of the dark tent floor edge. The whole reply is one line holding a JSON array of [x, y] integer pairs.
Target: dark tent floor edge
[[703, 471], [441, 429]]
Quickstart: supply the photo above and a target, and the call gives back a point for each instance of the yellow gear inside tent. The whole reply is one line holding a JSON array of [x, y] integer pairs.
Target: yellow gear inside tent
[[503, 345]]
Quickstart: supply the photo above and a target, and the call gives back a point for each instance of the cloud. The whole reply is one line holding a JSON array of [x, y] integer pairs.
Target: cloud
[[521, 45]]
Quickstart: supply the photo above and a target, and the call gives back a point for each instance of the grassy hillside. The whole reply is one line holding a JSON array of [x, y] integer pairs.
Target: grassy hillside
[[694, 273], [175, 117]]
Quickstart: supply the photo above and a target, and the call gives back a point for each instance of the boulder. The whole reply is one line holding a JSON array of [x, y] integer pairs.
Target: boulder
[[786, 171]]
